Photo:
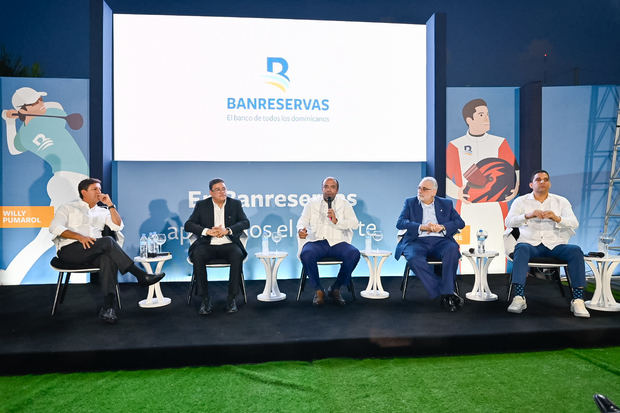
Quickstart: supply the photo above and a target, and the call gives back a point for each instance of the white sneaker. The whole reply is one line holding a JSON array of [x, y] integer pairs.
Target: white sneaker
[[578, 308], [517, 305]]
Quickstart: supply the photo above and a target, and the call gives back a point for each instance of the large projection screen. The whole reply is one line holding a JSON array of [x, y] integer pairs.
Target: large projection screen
[[195, 88]]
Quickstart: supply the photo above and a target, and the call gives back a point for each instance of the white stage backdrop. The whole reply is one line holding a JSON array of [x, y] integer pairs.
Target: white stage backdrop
[[195, 88]]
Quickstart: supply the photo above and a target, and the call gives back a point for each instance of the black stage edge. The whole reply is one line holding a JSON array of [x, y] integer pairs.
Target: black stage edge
[[173, 336]]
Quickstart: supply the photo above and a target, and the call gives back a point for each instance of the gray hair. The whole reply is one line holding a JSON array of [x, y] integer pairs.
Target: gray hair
[[430, 178]]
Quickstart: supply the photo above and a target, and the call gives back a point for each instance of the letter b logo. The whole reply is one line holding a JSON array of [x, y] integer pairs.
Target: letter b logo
[[280, 61]]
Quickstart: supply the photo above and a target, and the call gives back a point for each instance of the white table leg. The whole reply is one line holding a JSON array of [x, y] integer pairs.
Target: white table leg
[[603, 299], [154, 289], [374, 290], [481, 290], [271, 292]]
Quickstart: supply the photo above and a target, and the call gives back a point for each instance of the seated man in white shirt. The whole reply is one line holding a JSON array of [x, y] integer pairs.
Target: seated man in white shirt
[[546, 222], [78, 227], [327, 223]]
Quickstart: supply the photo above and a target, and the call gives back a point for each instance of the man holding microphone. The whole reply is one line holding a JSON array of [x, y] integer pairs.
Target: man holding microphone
[[327, 223]]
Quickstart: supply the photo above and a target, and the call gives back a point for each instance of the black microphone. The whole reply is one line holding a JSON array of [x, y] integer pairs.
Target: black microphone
[[595, 254], [329, 204], [471, 250]]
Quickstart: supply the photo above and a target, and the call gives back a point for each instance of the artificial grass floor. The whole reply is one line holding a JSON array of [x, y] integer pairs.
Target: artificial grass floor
[[559, 381]]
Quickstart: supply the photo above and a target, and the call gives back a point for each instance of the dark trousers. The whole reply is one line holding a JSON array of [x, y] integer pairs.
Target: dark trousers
[[437, 248], [343, 251], [203, 253], [572, 254], [106, 254]]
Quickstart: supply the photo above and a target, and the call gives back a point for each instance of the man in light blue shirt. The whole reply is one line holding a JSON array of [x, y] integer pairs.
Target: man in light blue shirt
[[431, 222]]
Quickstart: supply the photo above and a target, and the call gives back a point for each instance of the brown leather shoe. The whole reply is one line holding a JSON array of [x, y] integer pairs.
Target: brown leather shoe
[[319, 298], [334, 294]]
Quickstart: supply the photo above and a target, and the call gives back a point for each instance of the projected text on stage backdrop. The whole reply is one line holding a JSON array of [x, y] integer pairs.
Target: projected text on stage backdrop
[[191, 88]]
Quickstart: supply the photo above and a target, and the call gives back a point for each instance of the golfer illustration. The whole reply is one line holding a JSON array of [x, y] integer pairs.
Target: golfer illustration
[[43, 132]]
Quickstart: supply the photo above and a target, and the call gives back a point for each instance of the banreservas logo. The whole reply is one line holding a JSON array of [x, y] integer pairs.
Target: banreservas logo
[[277, 68]]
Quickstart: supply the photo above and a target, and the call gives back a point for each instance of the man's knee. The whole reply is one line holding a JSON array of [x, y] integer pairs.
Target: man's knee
[[352, 254], [414, 256], [573, 250], [309, 254], [197, 258], [107, 242], [452, 252], [522, 251]]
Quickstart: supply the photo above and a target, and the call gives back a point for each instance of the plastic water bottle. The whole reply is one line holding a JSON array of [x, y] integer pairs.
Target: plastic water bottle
[[368, 242], [143, 246], [265, 243], [481, 235], [150, 244]]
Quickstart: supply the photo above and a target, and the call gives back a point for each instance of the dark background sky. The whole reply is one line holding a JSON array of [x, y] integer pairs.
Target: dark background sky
[[490, 43]]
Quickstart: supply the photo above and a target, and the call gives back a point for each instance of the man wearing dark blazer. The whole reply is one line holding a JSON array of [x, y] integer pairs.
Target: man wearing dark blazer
[[218, 222], [431, 222]]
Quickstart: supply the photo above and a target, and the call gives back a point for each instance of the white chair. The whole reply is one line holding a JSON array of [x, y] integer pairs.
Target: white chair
[[67, 269], [322, 261], [511, 236], [217, 263], [436, 267]]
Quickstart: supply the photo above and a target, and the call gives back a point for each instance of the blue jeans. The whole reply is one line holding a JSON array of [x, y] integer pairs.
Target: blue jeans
[[343, 251], [572, 254], [441, 248]]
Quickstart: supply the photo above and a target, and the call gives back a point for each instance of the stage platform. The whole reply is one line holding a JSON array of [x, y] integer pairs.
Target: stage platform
[[76, 340]]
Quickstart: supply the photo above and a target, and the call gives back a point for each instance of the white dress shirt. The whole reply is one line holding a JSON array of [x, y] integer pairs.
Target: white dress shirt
[[78, 217], [218, 221], [535, 231], [320, 227]]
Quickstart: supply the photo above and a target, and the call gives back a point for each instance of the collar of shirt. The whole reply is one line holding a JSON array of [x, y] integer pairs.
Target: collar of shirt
[[217, 206]]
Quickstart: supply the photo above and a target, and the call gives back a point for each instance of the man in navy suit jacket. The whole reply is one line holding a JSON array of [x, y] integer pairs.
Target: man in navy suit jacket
[[218, 222], [431, 222]]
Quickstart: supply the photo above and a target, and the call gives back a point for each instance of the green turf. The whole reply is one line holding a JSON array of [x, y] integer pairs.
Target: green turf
[[556, 381]]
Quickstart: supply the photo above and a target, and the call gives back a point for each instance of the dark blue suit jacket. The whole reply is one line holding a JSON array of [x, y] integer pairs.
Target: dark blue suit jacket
[[411, 218]]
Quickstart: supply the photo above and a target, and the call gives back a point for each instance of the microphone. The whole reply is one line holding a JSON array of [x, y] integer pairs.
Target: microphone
[[471, 250], [596, 254], [329, 204]]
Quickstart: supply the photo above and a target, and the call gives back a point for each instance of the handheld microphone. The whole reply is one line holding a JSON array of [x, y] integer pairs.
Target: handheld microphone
[[596, 254], [329, 204]]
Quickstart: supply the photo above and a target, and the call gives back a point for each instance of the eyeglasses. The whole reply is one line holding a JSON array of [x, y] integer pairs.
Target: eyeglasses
[[424, 189], [219, 189]]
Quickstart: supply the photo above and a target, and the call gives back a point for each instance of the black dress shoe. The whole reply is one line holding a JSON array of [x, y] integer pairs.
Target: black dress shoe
[[231, 306], [108, 315], [334, 294], [458, 301], [319, 298], [450, 303], [604, 404], [206, 307], [150, 279]]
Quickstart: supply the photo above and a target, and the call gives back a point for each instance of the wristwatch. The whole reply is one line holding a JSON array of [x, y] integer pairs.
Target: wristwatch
[[112, 206]]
